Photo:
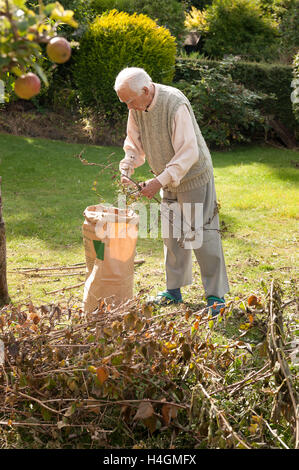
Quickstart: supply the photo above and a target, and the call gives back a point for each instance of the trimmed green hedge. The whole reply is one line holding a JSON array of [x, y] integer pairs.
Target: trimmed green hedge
[[112, 42], [265, 78]]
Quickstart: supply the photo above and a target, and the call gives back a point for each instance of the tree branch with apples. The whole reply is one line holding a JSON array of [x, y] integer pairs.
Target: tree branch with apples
[[22, 31]]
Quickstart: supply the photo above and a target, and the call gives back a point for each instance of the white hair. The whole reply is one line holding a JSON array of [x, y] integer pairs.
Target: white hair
[[135, 77]]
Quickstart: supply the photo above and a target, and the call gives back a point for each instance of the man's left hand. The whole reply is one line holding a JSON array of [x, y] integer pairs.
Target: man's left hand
[[151, 188]]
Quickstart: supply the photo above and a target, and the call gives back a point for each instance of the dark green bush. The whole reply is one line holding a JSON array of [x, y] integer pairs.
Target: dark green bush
[[261, 78], [225, 110], [115, 41], [286, 14], [289, 30], [239, 28], [167, 13]]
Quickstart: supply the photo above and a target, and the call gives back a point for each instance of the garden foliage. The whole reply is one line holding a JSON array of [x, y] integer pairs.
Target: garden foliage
[[225, 110], [125, 377], [237, 27], [167, 13], [117, 40], [273, 80], [25, 32], [286, 14]]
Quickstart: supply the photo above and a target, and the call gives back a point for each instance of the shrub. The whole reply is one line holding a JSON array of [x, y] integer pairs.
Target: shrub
[[114, 41], [261, 78], [288, 30], [286, 14], [167, 13], [239, 28], [225, 110], [196, 20]]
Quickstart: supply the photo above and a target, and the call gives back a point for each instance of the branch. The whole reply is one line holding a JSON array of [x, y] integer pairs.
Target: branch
[[270, 429], [283, 365], [65, 288], [221, 415], [34, 399]]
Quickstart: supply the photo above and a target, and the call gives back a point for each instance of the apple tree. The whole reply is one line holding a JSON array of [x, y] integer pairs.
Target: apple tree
[[22, 31]]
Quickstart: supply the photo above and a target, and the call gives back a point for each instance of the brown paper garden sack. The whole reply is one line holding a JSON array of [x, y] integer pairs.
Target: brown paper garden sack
[[110, 236]]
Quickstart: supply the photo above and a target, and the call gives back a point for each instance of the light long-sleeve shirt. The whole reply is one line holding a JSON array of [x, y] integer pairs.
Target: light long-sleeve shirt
[[183, 140]]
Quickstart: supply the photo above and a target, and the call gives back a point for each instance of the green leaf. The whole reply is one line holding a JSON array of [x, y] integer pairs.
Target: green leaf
[[186, 351], [70, 410], [23, 25], [47, 10], [20, 3], [41, 73], [46, 414], [264, 287], [117, 360]]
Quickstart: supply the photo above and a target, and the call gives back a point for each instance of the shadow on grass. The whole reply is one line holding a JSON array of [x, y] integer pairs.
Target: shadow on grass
[[281, 161], [46, 188]]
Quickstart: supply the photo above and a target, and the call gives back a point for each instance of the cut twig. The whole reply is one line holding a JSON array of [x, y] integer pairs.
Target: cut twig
[[220, 414], [65, 288], [33, 399], [270, 429], [50, 268], [71, 267], [57, 275]]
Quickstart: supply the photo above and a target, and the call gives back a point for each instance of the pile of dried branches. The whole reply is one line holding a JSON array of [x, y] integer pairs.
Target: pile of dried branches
[[125, 375]]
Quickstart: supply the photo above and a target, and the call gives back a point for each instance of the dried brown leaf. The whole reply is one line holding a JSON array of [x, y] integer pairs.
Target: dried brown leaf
[[102, 374], [145, 410], [169, 412], [151, 423], [252, 300]]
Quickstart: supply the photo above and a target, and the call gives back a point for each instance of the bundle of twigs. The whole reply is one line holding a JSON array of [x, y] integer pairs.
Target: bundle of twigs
[[286, 398], [59, 272], [66, 374]]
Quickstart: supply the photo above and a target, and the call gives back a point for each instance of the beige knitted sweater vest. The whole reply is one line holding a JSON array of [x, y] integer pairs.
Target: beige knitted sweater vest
[[155, 129]]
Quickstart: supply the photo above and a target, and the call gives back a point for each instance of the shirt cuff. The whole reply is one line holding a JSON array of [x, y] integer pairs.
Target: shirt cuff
[[164, 178]]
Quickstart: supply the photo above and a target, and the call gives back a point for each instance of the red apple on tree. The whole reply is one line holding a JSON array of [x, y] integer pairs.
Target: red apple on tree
[[59, 50], [27, 86]]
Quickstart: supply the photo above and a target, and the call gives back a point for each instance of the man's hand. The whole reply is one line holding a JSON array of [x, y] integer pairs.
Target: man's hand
[[151, 187], [126, 181]]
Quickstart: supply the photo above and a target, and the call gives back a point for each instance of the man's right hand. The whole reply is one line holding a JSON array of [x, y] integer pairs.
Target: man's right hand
[[126, 181]]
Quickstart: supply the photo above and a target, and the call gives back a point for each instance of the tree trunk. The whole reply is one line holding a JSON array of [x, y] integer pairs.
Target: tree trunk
[[283, 133], [4, 297]]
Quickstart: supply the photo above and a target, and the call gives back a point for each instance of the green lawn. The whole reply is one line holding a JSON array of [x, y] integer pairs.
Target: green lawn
[[45, 190]]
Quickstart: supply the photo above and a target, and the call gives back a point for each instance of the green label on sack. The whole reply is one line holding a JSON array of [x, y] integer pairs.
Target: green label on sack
[[99, 247]]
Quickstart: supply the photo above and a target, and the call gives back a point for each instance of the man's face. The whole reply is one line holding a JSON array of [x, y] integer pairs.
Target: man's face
[[132, 99]]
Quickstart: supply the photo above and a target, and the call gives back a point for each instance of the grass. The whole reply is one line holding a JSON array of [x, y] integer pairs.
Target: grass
[[45, 190]]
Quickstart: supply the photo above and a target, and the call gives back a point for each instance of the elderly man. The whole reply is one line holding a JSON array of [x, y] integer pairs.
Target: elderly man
[[162, 129]]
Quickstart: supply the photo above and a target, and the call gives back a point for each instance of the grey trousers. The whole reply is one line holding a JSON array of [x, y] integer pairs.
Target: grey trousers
[[178, 260]]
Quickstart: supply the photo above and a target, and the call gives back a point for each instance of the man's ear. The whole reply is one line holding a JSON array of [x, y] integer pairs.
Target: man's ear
[[146, 90]]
